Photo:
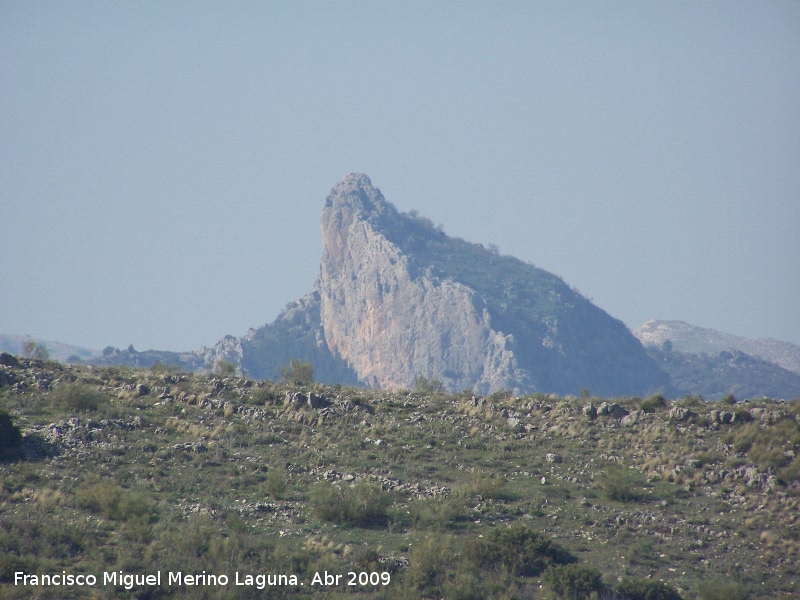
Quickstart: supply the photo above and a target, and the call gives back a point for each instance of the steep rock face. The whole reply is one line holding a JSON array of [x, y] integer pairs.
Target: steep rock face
[[400, 299], [391, 324]]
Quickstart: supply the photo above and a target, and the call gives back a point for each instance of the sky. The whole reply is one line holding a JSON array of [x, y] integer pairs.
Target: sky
[[163, 165]]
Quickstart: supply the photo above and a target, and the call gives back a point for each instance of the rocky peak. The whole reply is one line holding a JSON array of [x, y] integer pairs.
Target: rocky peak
[[399, 299], [356, 194]]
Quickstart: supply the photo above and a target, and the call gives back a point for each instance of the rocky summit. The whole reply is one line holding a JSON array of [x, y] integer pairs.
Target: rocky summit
[[397, 299]]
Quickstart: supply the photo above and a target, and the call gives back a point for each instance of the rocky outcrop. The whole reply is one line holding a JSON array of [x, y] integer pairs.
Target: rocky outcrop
[[399, 299]]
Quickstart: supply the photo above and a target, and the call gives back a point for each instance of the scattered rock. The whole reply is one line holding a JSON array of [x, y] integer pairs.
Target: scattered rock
[[679, 413], [631, 419], [611, 410]]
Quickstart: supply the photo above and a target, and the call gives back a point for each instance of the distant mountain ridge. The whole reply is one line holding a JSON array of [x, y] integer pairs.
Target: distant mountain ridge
[[692, 339], [12, 343], [397, 299]]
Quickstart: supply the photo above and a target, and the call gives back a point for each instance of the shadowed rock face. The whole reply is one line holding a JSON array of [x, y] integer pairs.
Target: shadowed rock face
[[400, 299]]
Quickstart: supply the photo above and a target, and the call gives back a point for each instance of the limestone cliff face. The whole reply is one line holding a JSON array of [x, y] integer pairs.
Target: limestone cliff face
[[389, 322], [400, 299]]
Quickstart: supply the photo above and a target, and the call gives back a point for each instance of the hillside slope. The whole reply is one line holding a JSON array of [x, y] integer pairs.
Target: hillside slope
[[138, 471]]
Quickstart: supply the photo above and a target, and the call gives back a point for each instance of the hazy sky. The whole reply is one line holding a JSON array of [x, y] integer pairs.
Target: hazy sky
[[163, 164]]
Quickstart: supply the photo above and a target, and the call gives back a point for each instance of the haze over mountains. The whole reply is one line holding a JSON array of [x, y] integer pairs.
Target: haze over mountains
[[397, 299]]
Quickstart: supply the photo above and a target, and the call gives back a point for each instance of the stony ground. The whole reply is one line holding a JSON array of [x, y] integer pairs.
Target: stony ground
[[139, 471]]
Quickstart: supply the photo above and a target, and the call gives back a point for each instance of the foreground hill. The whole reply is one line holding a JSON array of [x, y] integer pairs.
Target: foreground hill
[[538, 496]]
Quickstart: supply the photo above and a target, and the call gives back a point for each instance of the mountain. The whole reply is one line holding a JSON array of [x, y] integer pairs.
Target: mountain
[[714, 364], [714, 376], [57, 350], [692, 339], [400, 299], [396, 299]]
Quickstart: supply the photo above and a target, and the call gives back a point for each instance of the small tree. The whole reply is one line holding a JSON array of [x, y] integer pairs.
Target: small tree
[[31, 349], [297, 372]]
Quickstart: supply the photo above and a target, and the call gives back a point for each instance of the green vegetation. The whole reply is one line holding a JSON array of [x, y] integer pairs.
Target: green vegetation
[[448, 495], [623, 485], [363, 505], [78, 397], [225, 368], [34, 350], [10, 435], [428, 386], [635, 589], [653, 404], [520, 550], [574, 582], [297, 372]]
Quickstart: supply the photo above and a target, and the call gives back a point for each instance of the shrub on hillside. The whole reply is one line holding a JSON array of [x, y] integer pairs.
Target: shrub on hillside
[[77, 396], [639, 589], [719, 589], [113, 502], [653, 403], [519, 549], [362, 505], [297, 372], [428, 386], [622, 485], [573, 582], [10, 434]]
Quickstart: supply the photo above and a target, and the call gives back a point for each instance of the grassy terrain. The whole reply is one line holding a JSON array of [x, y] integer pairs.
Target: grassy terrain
[[452, 496]]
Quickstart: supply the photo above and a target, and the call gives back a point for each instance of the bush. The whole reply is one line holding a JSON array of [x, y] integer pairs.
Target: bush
[[428, 565], [435, 513], [115, 503], [638, 589], [276, 483], [10, 435], [653, 403], [77, 396], [719, 589], [488, 486], [573, 582], [363, 505], [620, 484], [298, 372], [428, 386], [225, 368], [519, 549]]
